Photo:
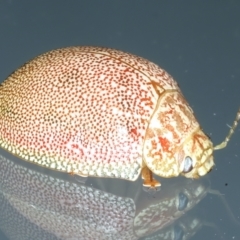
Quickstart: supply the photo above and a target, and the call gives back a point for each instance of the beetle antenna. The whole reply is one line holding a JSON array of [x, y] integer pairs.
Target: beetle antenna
[[231, 131]]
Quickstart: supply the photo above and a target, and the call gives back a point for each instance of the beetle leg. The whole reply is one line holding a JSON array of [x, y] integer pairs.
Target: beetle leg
[[79, 177], [148, 180]]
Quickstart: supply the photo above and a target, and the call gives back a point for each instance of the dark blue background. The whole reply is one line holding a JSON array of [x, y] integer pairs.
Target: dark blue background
[[197, 42]]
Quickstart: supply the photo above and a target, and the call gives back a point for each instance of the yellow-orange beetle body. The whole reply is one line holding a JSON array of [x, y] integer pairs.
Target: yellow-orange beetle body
[[101, 112]]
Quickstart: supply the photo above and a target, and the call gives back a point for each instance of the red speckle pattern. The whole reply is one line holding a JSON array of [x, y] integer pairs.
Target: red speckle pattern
[[83, 110]]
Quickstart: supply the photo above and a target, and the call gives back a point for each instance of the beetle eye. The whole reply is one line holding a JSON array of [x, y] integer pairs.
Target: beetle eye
[[187, 164]]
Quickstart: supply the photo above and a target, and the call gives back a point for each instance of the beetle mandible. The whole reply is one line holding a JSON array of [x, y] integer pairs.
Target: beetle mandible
[[101, 112]]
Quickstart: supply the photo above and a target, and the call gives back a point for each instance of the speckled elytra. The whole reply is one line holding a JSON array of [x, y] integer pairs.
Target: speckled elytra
[[100, 112]]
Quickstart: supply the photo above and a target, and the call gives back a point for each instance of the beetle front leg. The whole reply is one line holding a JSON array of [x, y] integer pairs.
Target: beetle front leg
[[149, 182]]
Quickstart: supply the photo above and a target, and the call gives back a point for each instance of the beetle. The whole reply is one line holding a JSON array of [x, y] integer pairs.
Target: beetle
[[101, 112]]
